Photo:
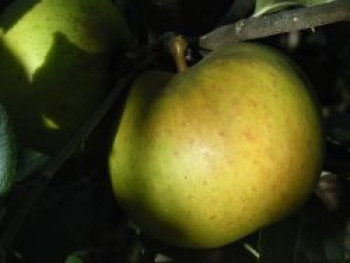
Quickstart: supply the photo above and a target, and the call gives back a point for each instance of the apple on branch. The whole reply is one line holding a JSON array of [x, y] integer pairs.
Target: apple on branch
[[223, 148]]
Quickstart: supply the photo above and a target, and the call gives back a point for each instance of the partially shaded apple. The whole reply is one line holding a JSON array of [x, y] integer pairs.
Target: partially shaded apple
[[230, 145], [55, 63]]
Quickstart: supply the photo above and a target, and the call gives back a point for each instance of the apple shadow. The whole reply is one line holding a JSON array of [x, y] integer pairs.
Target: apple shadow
[[50, 107], [16, 11]]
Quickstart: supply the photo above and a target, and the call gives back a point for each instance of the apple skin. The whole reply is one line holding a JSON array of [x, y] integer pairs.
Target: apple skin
[[229, 146], [55, 65]]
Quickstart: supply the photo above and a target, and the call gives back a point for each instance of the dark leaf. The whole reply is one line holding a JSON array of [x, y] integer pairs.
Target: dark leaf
[[7, 153], [29, 162], [277, 242], [320, 238]]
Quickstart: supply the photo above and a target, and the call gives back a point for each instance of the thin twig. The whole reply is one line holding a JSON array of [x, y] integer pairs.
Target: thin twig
[[282, 22], [90, 125]]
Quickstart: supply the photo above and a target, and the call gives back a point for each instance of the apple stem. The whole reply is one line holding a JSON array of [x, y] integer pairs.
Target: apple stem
[[177, 46]]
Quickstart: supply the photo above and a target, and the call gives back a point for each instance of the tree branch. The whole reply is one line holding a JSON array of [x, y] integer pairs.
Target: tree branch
[[282, 22]]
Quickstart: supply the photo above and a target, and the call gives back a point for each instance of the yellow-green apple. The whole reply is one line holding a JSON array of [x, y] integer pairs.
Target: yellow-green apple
[[226, 147], [55, 62]]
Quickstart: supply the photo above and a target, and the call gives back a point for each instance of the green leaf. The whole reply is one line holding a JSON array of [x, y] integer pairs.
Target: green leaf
[[7, 153], [29, 162], [77, 257], [74, 259], [263, 7]]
